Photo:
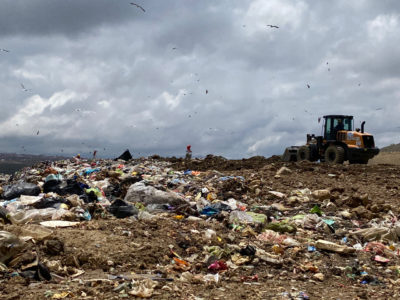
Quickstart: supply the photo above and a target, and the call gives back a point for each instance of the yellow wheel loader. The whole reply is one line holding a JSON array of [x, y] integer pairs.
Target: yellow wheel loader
[[339, 143]]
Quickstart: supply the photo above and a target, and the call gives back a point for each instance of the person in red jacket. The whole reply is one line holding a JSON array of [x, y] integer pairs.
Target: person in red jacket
[[188, 152]]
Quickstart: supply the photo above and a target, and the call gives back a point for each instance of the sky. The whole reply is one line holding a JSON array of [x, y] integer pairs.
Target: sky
[[84, 75]]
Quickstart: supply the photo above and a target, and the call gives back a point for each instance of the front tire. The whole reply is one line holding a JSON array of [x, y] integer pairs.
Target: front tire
[[303, 153], [334, 154]]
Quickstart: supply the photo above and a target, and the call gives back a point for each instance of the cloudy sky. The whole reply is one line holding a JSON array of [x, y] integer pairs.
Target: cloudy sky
[[103, 74]]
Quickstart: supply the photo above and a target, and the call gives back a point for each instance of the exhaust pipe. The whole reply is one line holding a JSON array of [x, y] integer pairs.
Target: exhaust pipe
[[362, 126]]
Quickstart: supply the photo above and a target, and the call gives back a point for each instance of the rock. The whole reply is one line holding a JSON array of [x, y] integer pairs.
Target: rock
[[362, 212], [269, 258], [319, 276], [54, 247], [139, 192], [345, 214], [379, 233], [284, 171], [357, 200], [293, 200], [10, 246], [326, 245], [277, 194], [321, 194]]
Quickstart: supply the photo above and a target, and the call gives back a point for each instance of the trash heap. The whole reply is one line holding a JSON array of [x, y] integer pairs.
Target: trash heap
[[151, 228]]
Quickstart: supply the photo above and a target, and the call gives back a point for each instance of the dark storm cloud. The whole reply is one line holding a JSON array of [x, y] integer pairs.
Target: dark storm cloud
[[106, 74], [42, 17]]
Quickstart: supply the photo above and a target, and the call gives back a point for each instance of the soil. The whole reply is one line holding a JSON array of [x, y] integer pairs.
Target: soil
[[128, 247]]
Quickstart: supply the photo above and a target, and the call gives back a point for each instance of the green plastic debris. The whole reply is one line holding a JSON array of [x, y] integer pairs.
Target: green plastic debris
[[96, 191], [257, 218], [316, 210], [281, 227], [298, 217], [139, 206], [217, 251]]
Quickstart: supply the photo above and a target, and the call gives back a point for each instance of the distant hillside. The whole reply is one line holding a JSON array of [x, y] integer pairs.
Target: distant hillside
[[391, 148], [12, 162]]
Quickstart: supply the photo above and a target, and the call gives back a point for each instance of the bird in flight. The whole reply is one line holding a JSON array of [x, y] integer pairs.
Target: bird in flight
[[379, 108], [24, 88], [308, 85], [273, 26], [138, 6], [37, 133], [206, 91], [4, 50]]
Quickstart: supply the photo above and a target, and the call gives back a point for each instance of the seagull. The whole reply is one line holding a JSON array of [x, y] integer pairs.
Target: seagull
[[4, 50], [273, 26], [138, 6], [308, 85], [24, 88]]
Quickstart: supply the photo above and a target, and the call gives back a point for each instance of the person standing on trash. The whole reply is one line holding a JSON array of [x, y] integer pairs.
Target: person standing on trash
[[188, 152]]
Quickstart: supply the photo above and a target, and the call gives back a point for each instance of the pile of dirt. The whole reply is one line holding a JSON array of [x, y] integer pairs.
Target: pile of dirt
[[391, 148], [219, 163]]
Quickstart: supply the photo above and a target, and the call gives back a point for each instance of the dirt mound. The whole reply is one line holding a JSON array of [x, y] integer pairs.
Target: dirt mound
[[219, 163], [391, 148], [105, 258]]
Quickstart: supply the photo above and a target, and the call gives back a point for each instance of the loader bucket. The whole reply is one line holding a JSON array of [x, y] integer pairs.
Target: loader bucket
[[290, 154]]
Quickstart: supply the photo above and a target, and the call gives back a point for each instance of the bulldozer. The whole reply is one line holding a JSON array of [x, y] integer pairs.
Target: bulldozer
[[339, 143]]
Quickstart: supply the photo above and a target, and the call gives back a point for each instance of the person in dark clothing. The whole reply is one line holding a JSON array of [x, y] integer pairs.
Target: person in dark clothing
[[339, 126]]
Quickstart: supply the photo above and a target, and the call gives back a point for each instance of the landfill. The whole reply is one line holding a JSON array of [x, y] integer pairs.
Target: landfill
[[212, 228]]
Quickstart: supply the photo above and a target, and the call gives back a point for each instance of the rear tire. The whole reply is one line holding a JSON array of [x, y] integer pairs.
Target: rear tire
[[334, 154], [303, 153]]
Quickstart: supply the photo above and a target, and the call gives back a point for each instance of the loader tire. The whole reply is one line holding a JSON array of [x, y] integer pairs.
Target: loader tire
[[303, 153], [334, 154]]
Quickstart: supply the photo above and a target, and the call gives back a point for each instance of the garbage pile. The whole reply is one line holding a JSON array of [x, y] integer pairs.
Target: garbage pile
[[146, 228]]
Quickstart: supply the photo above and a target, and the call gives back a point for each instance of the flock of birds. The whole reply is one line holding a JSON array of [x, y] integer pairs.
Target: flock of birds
[[174, 48]]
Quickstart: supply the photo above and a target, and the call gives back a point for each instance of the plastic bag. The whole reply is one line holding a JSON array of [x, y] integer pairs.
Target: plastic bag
[[21, 188], [242, 217], [139, 192], [10, 246], [36, 231], [121, 209], [36, 215]]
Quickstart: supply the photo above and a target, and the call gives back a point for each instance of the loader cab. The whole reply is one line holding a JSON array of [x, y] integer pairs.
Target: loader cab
[[333, 122]]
